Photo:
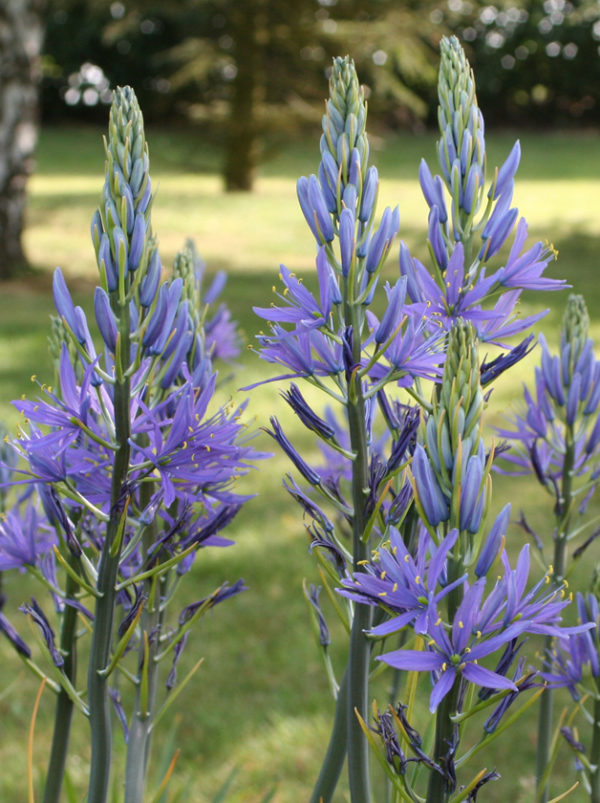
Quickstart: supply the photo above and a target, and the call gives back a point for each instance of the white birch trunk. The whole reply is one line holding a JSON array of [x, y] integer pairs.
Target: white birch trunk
[[21, 32]]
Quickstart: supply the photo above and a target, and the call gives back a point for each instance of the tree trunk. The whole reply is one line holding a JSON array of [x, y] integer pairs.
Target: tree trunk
[[242, 140], [21, 32]]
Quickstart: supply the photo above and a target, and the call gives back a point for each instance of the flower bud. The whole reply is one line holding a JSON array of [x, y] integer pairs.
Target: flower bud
[[507, 172], [138, 241], [436, 240], [347, 230], [105, 319], [151, 280], [369, 194]]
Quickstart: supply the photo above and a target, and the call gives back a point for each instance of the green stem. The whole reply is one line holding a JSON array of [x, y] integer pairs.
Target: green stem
[[140, 731], [595, 752], [360, 649], [64, 705], [336, 751], [439, 790], [559, 565], [98, 697]]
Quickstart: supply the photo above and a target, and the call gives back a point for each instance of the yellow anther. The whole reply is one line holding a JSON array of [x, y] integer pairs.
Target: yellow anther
[[395, 587], [382, 575], [382, 594], [461, 625]]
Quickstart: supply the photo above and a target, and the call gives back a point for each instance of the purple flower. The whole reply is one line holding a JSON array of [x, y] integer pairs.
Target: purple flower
[[66, 413], [24, 538], [306, 354], [188, 450], [457, 653], [567, 660], [222, 340], [537, 610], [524, 270], [409, 587], [302, 310]]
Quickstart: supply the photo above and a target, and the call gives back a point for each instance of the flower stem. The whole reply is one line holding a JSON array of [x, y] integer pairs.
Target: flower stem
[[98, 697], [336, 751], [595, 752], [140, 731], [64, 705], [446, 731], [559, 565], [360, 650]]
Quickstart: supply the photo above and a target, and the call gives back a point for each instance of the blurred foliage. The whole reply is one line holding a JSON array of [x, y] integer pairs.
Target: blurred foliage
[[253, 72], [536, 61], [183, 57]]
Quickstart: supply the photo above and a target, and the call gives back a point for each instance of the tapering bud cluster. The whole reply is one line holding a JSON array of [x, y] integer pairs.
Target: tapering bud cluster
[[451, 468], [461, 147], [344, 143], [121, 228], [557, 428], [570, 381], [575, 333], [340, 202], [468, 226]]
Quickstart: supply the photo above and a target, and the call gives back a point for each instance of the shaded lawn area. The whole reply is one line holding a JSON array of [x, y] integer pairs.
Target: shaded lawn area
[[260, 701]]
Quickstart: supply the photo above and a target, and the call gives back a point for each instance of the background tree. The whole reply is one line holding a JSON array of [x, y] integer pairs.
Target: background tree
[[535, 61], [21, 32], [252, 69]]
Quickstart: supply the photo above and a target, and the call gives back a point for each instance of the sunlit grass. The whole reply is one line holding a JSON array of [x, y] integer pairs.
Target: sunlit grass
[[260, 701]]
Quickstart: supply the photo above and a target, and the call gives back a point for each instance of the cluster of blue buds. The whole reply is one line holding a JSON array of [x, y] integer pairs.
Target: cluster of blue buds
[[562, 414], [341, 201], [120, 229], [465, 233], [451, 471]]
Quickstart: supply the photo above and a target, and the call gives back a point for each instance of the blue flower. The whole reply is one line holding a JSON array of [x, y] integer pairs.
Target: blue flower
[[410, 588], [456, 654]]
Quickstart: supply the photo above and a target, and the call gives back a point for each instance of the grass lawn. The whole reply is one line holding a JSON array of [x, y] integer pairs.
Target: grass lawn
[[260, 702]]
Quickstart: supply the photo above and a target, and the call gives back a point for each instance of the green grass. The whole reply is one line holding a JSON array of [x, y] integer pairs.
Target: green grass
[[260, 701]]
